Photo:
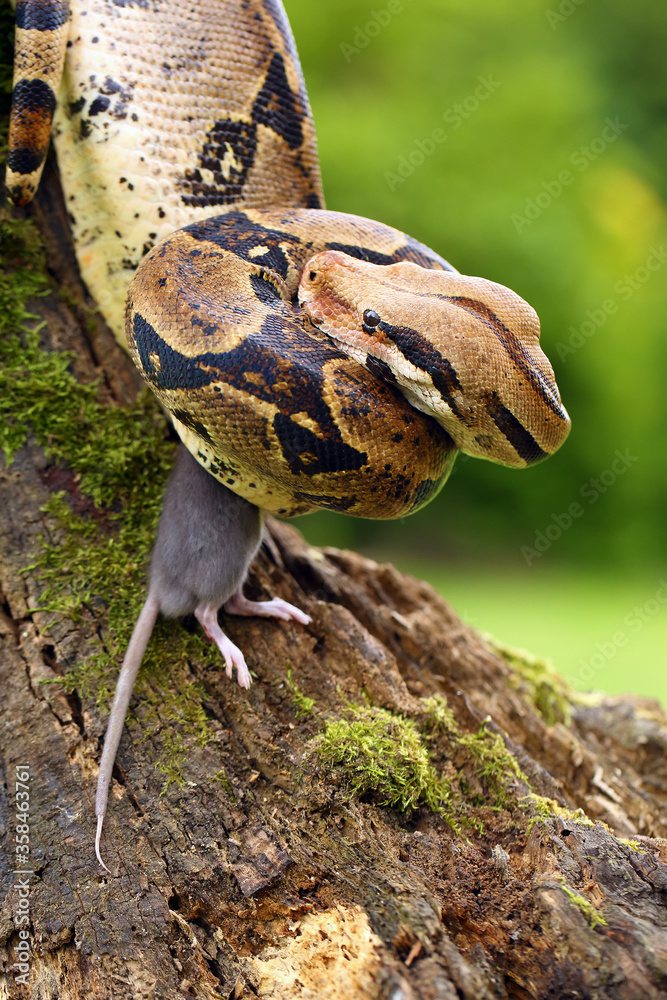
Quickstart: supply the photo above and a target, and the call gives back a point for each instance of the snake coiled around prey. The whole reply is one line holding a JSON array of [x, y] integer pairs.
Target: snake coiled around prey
[[309, 358]]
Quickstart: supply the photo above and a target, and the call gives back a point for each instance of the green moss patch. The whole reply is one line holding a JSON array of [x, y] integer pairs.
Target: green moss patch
[[634, 845], [544, 809], [113, 462], [302, 703], [549, 692], [592, 915], [381, 754], [494, 765], [439, 717], [220, 777], [427, 763]]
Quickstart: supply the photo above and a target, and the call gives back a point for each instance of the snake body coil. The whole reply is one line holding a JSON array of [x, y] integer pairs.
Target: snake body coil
[[249, 366], [164, 112], [309, 359]]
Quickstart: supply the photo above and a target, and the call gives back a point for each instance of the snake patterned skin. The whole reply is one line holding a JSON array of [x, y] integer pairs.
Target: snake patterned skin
[[168, 111], [309, 358]]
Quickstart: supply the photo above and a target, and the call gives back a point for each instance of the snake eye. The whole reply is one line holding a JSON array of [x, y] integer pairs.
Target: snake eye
[[370, 318]]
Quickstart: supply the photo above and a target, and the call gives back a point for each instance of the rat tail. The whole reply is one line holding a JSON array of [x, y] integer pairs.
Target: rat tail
[[126, 680]]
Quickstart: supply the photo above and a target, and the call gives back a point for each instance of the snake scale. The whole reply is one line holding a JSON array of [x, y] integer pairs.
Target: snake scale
[[309, 358]]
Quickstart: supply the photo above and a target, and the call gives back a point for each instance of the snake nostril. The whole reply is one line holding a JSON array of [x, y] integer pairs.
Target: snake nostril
[[312, 275]]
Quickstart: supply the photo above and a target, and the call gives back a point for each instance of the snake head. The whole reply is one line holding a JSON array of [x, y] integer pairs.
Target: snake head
[[464, 350]]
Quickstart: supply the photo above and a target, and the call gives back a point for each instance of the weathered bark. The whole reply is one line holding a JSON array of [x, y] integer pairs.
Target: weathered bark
[[259, 875]]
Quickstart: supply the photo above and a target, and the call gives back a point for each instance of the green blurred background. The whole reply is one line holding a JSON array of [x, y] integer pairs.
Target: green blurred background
[[522, 92]]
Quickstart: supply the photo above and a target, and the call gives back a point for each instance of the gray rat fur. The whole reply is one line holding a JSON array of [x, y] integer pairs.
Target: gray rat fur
[[206, 540]]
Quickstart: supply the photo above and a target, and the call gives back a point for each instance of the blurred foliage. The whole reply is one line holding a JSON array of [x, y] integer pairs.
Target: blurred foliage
[[381, 78]]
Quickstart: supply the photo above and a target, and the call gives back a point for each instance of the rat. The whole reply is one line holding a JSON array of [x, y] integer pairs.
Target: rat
[[206, 539]]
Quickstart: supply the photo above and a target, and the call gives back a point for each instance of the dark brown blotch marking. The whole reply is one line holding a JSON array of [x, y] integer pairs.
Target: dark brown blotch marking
[[263, 289], [421, 353], [76, 107], [409, 251], [225, 134], [33, 105], [188, 420], [380, 369], [238, 234], [41, 15], [275, 12], [101, 103], [521, 439], [326, 501], [425, 491], [276, 106]]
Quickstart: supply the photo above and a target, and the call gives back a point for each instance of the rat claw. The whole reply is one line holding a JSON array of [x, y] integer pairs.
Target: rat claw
[[243, 676], [276, 608], [240, 605], [235, 658], [232, 655]]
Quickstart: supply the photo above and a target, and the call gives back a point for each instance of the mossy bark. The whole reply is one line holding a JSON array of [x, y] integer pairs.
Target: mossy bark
[[247, 859]]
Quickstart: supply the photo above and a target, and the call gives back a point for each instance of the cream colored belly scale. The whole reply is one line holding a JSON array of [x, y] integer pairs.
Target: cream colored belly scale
[[135, 129]]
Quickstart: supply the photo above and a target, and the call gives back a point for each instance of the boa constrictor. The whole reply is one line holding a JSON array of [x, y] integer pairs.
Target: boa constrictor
[[309, 358]]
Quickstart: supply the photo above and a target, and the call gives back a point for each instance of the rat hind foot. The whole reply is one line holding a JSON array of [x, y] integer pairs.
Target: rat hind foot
[[277, 608], [207, 616]]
